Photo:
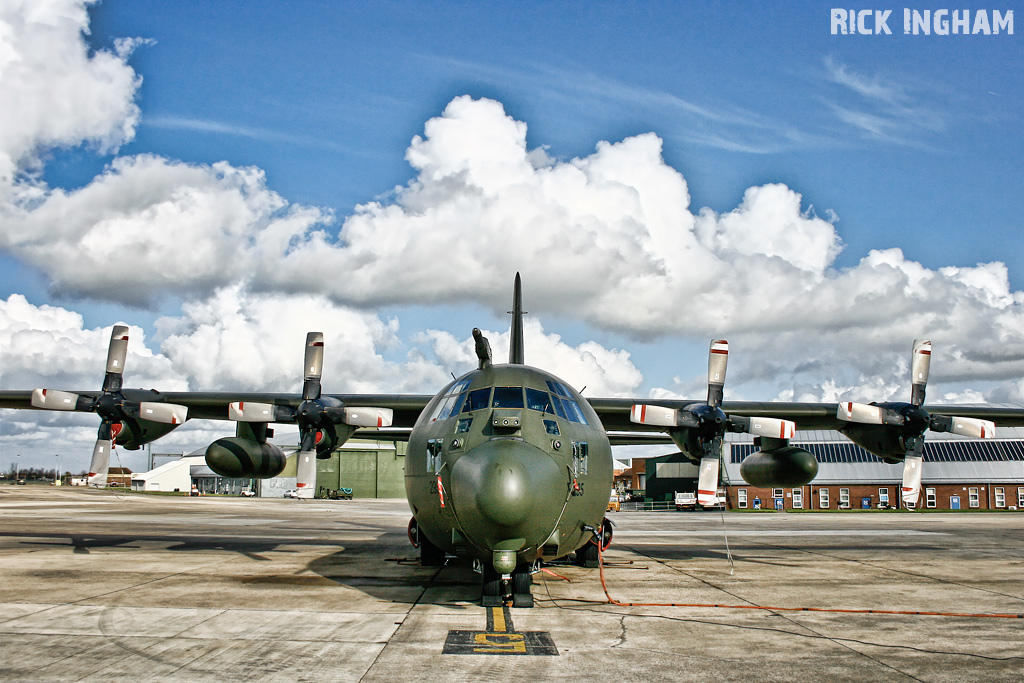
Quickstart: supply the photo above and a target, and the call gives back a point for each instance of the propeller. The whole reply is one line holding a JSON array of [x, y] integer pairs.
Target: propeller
[[318, 417], [115, 411], [911, 421], [701, 427]]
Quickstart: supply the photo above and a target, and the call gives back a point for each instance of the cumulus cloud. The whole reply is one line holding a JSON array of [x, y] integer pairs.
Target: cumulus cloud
[[56, 91], [50, 347], [149, 227], [590, 366]]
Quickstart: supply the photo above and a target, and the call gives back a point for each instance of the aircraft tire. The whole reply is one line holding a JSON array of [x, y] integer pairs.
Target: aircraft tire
[[522, 585], [587, 555], [491, 593], [430, 554]]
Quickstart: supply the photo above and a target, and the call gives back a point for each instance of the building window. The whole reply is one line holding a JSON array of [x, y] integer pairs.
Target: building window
[[823, 498], [883, 497], [972, 496], [1020, 497], [929, 498], [777, 493], [1000, 496], [844, 499], [798, 498], [741, 498]]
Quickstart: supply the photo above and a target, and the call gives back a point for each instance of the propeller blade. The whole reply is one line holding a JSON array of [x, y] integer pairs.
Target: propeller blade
[[100, 463], [117, 352], [707, 481], [368, 417], [718, 362], [313, 366], [911, 487], [860, 412], [656, 416], [305, 473], [167, 413], [964, 426], [51, 399], [764, 426], [248, 411], [919, 366]]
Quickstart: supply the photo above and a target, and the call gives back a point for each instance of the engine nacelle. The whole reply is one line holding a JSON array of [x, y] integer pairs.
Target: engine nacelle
[[885, 441], [780, 467], [239, 457], [149, 431]]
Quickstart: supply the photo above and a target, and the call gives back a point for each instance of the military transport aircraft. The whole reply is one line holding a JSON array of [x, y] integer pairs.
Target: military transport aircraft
[[509, 466]]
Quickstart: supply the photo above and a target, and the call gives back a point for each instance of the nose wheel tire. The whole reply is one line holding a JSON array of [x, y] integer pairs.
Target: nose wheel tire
[[491, 594], [522, 586], [497, 593]]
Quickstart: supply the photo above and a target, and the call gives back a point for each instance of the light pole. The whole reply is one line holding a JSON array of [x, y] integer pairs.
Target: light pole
[[56, 472], [17, 469]]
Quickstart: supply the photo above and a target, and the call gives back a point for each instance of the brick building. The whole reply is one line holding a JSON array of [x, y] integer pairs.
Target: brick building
[[959, 473]]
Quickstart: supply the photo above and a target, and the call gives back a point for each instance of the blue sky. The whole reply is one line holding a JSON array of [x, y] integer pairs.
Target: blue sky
[[326, 96], [909, 142]]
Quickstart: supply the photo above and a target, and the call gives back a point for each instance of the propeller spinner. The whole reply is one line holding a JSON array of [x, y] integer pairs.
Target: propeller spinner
[[911, 421], [115, 411], [702, 426]]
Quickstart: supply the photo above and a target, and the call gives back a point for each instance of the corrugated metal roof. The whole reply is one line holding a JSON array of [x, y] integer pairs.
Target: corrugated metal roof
[[827, 436]]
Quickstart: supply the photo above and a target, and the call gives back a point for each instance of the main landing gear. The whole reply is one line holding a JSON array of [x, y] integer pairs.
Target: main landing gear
[[516, 589], [430, 554], [587, 555]]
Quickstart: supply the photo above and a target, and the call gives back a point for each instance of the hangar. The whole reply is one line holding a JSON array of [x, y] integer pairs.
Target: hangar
[[372, 469]]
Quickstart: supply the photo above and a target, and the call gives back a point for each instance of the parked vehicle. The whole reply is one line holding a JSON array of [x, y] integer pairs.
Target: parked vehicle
[[686, 501]]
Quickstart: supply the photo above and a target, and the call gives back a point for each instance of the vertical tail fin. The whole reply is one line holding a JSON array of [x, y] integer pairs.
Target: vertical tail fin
[[515, 349]]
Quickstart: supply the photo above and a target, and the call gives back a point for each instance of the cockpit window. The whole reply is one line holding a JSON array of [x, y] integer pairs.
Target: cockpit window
[[538, 400], [508, 397], [559, 389], [559, 409], [458, 387], [572, 409], [452, 406], [478, 399]]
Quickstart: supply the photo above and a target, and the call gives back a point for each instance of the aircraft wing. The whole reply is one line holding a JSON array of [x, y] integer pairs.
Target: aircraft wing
[[615, 415], [214, 405]]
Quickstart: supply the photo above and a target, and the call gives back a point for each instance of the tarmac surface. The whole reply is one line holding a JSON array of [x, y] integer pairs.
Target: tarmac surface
[[98, 586]]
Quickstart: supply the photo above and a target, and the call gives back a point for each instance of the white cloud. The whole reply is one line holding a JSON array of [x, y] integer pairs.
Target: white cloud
[[149, 226], [603, 372], [49, 347], [63, 93]]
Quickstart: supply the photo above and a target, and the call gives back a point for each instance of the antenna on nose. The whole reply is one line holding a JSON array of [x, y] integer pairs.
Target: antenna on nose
[[516, 351]]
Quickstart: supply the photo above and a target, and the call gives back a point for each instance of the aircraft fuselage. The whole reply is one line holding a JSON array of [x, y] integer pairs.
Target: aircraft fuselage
[[508, 458]]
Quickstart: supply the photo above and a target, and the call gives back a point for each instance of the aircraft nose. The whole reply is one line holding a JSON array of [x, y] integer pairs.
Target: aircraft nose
[[499, 480]]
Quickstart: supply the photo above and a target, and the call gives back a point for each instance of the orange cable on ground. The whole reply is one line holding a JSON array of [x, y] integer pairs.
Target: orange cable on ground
[[555, 574], [613, 601]]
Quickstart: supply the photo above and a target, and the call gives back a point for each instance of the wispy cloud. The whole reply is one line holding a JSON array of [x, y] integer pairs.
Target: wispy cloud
[[710, 123], [879, 108], [252, 132]]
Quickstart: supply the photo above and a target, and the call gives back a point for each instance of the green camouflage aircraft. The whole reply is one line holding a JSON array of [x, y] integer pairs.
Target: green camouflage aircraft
[[508, 466]]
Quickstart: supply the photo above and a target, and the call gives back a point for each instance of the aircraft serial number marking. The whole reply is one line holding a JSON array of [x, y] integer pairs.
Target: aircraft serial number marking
[[500, 638]]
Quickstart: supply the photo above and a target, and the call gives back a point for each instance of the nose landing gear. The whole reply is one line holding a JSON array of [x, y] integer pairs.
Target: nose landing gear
[[503, 589]]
